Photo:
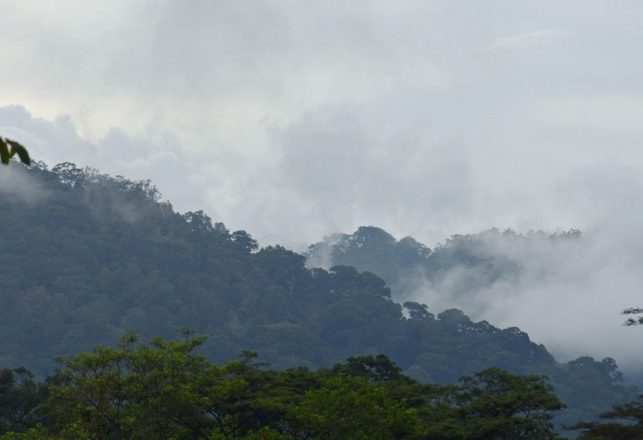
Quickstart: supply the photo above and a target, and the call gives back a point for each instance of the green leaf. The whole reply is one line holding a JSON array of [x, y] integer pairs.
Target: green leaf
[[22, 151], [4, 152]]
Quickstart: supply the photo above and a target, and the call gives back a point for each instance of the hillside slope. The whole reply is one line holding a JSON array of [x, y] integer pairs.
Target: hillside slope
[[86, 256]]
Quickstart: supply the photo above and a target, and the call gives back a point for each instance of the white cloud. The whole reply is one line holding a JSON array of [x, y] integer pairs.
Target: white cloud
[[525, 39]]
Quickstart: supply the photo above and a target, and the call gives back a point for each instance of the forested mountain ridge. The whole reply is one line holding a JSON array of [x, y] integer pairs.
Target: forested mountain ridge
[[86, 256], [408, 265]]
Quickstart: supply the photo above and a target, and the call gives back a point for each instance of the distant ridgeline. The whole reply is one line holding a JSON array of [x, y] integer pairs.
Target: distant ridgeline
[[407, 265], [86, 256]]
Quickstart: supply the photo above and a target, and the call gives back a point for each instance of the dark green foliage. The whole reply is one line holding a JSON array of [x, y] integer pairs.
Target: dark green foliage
[[495, 404], [9, 148], [19, 397], [371, 368], [93, 256], [166, 389]]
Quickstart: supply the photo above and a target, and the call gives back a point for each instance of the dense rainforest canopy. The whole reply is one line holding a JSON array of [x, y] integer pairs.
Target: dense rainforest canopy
[[167, 390], [87, 257]]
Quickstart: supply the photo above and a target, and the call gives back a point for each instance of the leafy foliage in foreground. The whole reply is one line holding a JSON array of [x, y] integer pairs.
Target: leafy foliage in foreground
[[86, 256], [168, 390], [9, 148]]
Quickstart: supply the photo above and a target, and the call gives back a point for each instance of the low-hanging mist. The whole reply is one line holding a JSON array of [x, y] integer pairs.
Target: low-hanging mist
[[294, 121], [565, 289]]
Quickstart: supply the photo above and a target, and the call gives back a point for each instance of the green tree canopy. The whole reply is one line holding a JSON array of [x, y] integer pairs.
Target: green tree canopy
[[167, 389]]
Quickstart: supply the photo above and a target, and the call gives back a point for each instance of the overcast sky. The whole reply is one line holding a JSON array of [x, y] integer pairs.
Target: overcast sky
[[296, 119]]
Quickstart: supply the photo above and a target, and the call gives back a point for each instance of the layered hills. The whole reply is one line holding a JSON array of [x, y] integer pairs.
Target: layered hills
[[86, 257], [463, 264]]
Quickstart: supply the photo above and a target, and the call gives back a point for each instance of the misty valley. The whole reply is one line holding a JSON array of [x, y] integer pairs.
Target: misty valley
[[122, 318], [321, 220]]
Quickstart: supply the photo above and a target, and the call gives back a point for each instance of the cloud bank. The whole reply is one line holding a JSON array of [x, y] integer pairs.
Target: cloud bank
[[566, 293]]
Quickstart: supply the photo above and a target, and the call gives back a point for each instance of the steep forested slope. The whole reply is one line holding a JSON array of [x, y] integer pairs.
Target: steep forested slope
[[85, 257]]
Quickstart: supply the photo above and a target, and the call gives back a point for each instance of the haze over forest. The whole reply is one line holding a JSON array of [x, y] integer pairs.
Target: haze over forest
[[558, 287], [88, 258], [429, 119], [424, 118]]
